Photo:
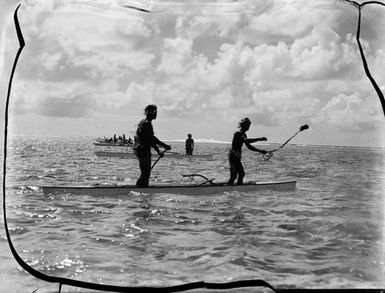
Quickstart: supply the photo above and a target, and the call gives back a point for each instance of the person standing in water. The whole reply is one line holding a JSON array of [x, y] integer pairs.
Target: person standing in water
[[144, 141], [235, 153], [189, 145]]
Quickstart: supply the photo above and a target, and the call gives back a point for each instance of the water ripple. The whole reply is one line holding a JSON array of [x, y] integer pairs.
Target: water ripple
[[326, 233]]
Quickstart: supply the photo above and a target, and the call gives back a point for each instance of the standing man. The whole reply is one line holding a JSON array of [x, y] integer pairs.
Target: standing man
[[144, 140], [235, 154], [189, 145]]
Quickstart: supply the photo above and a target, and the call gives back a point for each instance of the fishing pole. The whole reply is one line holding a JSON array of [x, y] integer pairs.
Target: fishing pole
[[269, 154]]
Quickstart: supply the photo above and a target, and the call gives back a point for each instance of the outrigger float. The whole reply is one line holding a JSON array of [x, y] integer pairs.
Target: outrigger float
[[203, 188]]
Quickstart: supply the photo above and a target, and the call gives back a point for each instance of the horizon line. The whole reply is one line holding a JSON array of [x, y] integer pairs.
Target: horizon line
[[210, 140]]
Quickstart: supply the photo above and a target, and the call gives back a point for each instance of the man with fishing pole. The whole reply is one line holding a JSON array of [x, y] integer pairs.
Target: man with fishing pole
[[235, 153], [144, 141]]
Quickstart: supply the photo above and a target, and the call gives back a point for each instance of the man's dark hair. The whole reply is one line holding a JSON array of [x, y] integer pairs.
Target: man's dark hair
[[150, 108], [244, 122]]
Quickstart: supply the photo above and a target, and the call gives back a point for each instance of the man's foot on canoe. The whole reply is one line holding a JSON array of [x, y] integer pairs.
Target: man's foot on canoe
[[142, 186]]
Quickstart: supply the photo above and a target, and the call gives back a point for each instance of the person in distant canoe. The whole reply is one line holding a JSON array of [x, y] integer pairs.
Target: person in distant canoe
[[235, 153], [189, 145], [143, 142]]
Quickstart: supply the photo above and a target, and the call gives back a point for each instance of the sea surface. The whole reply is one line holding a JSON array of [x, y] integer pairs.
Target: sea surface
[[328, 233]]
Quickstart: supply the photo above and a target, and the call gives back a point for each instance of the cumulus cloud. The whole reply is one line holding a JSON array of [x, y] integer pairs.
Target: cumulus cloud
[[84, 39], [50, 61], [176, 56], [287, 20], [351, 113], [322, 55], [275, 62], [76, 107], [377, 65]]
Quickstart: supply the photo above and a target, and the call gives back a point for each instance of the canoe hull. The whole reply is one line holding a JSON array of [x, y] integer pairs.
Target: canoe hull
[[124, 155], [187, 189]]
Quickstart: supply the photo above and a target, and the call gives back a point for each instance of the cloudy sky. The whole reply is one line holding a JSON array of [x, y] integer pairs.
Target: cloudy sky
[[90, 68]]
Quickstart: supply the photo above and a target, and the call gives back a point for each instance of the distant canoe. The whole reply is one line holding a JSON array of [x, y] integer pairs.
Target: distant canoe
[[186, 189], [112, 144], [130, 154]]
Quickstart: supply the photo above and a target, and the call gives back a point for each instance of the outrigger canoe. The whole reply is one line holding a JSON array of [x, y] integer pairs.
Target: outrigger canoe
[[130, 154], [112, 144], [185, 189]]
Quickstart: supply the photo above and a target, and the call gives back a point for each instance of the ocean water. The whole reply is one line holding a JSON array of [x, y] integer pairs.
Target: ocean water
[[328, 233]]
